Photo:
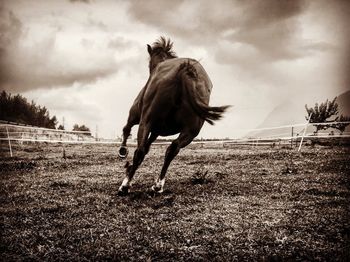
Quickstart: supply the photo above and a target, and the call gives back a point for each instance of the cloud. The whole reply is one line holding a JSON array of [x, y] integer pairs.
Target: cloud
[[93, 23], [75, 108], [333, 20], [268, 27], [119, 43], [80, 1], [11, 31], [271, 41], [52, 59]]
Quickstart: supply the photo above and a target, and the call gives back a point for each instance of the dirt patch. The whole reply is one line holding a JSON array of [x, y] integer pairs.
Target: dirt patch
[[18, 165]]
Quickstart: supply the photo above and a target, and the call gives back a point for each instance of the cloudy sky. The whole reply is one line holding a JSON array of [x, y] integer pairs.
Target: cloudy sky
[[87, 60]]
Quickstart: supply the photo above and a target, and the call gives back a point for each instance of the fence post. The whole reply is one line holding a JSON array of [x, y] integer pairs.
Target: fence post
[[63, 151], [302, 138], [8, 138], [291, 138]]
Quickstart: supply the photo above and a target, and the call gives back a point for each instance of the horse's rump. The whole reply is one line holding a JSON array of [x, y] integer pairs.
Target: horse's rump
[[181, 79], [197, 95]]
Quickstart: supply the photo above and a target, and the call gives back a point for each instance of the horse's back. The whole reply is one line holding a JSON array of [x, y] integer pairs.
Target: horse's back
[[165, 77], [169, 68]]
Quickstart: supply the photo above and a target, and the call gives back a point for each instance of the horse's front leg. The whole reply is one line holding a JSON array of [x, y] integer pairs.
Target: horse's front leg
[[123, 149], [133, 119], [139, 155]]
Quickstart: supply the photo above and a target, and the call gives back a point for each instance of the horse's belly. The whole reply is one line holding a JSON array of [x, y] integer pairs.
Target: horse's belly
[[169, 132], [166, 127]]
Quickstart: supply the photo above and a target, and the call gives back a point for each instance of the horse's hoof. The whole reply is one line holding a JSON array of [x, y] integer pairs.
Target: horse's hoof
[[157, 189], [123, 152], [123, 191]]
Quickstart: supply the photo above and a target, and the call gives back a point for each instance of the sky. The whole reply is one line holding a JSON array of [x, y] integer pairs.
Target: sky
[[87, 60]]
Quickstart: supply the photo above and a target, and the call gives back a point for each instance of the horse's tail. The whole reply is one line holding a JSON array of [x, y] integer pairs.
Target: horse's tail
[[187, 76]]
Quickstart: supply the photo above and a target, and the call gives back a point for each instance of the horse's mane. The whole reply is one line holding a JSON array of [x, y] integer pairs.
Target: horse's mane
[[165, 45]]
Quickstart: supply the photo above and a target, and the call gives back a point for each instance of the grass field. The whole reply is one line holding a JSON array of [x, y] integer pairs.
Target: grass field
[[220, 204]]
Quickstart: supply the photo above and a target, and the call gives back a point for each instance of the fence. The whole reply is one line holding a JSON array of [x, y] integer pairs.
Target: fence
[[286, 134]]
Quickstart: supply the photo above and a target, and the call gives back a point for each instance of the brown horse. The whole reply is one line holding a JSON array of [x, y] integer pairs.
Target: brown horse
[[174, 100]]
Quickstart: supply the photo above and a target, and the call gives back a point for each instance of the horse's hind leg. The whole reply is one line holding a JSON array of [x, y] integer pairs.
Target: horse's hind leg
[[183, 140]]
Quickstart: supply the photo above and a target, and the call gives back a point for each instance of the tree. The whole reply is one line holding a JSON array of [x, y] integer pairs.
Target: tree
[[326, 112], [76, 127], [52, 122]]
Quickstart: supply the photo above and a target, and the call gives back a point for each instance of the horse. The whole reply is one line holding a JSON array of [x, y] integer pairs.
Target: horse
[[174, 100]]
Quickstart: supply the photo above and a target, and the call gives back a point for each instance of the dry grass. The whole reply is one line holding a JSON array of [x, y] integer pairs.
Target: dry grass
[[219, 204]]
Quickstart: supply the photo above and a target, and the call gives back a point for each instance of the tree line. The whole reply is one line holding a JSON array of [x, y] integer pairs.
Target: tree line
[[84, 128], [16, 108]]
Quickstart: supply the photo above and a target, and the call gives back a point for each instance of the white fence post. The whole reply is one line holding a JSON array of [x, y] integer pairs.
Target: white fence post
[[302, 138], [8, 137]]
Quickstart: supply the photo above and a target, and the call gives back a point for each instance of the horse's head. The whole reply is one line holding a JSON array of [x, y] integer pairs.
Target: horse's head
[[160, 50]]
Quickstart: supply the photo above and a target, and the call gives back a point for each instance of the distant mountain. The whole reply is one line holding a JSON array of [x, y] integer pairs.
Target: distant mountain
[[286, 113], [343, 101], [292, 112]]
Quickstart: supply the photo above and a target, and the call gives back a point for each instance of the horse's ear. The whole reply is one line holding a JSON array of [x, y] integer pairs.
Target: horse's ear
[[149, 49]]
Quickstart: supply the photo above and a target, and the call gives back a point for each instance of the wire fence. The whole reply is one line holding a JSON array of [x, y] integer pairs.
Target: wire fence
[[293, 134]]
